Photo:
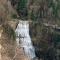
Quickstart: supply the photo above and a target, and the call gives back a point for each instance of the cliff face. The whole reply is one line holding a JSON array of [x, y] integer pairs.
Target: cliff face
[[6, 10], [39, 12], [8, 50]]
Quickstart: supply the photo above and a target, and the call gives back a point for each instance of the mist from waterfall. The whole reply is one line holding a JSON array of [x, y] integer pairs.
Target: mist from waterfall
[[23, 38]]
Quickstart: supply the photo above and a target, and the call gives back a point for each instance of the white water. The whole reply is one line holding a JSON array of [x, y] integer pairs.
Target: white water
[[22, 33]]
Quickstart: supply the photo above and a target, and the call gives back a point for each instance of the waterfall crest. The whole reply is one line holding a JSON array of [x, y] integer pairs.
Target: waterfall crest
[[23, 38]]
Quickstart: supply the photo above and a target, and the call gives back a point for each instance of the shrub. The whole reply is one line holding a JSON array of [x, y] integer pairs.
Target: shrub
[[9, 31]]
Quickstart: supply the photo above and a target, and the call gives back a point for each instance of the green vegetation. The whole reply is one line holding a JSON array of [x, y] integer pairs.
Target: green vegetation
[[56, 37], [14, 16], [34, 16], [21, 4], [22, 9], [9, 31], [55, 5]]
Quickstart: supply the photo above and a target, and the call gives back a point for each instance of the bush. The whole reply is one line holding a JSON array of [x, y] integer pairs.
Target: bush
[[56, 38], [22, 8], [14, 16], [9, 31]]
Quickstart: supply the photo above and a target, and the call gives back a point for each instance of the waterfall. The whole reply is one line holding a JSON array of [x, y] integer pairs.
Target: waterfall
[[23, 38]]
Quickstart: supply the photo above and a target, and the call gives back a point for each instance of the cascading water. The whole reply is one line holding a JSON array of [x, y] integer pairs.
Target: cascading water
[[23, 38]]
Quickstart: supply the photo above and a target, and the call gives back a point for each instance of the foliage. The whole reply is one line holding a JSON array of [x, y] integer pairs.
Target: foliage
[[9, 31], [55, 5], [32, 16], [22, 8], [35, 15], [14, 16], [56, 38], [45, 7], [21, 4]]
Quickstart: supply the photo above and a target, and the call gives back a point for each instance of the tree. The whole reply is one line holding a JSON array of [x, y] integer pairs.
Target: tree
[[22, 8], [55, 5]]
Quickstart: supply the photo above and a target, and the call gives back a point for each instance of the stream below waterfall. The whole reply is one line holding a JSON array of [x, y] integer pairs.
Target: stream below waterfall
[[23, 38]]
